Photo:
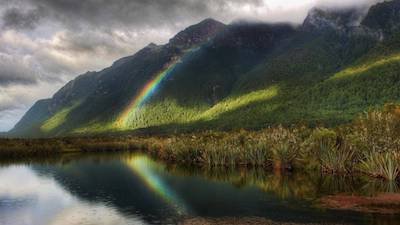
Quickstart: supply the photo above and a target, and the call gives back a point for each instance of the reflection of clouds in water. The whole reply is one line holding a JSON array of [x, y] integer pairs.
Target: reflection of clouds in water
[[89, 214], [29, 199]]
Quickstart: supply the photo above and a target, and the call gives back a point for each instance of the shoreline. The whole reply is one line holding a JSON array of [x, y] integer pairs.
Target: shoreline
[[369, 145], [377, 201]]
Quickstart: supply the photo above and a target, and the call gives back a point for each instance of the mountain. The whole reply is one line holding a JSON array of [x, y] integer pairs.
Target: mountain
[[338, 63], [384, 17], [334, 19]]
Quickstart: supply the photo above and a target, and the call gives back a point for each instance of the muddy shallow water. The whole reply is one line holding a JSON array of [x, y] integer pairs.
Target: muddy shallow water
[[134, 189]]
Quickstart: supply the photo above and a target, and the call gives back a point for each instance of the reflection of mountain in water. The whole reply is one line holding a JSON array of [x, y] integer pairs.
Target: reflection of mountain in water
[[111, 182], [138, 186]]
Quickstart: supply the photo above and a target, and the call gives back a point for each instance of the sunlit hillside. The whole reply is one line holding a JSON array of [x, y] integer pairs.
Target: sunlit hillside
[[242, 75]]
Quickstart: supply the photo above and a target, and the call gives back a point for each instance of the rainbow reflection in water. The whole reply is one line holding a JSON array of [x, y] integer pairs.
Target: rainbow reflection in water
[[145, 168]]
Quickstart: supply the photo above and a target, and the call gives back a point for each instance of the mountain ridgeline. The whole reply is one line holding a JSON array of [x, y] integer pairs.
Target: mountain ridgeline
[[338, 63]]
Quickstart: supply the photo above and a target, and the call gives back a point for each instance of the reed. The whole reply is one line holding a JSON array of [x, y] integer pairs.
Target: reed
[[383, 165], [333, 154], [370, 145]]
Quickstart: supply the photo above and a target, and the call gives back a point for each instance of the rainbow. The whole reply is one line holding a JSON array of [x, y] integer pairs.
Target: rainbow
[[149, 89], [146, 92], [146, 170]]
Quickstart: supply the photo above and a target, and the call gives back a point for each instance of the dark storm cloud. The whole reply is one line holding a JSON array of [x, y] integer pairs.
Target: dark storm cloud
[[134, 12], [15, 18], [107, 29], [9, 78], [89, 41]]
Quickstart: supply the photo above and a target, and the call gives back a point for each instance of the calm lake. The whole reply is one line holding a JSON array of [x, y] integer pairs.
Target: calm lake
[[134, 189]]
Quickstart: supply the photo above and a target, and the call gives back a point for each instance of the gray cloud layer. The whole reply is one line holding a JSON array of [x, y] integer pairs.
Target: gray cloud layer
[[15, 18], [141, 13], [15, 70], [45, 43]]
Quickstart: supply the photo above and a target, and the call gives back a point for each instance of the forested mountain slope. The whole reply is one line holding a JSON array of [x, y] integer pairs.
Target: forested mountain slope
[[338, 63]]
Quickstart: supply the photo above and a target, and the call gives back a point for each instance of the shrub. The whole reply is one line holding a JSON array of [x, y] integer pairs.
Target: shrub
[[377, 131], [382, 165], [285, 146], [256, 153], [331, 151]]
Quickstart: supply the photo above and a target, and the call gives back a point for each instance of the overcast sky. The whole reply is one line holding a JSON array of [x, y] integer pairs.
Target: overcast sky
[[45, 43]]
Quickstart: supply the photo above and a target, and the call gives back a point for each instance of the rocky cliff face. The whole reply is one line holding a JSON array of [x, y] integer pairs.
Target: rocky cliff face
[[339, 20], [379, 21], [384, 17], [197, 34]]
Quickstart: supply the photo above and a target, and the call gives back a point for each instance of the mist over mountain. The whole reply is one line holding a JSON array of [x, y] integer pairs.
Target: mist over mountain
[[337, 63]]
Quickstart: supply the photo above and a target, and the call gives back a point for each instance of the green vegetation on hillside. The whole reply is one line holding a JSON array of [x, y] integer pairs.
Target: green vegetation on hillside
[[243, 75], [336, 99], [58, 119], [285, 98]]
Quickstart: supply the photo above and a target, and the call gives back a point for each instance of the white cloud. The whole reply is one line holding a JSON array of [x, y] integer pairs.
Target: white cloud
[[10, 117], [16, 99]]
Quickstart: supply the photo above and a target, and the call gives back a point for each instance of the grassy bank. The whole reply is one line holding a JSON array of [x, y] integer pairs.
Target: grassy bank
[[26, 148], [369, 145]]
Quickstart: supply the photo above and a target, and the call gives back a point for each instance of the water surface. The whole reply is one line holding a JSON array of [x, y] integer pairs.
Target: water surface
[[134, 189]]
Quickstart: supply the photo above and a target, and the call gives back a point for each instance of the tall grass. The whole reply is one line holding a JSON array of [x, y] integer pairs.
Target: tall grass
[[330, 150], [370, 145], [285, 147], [377, 135], [384, 165]]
